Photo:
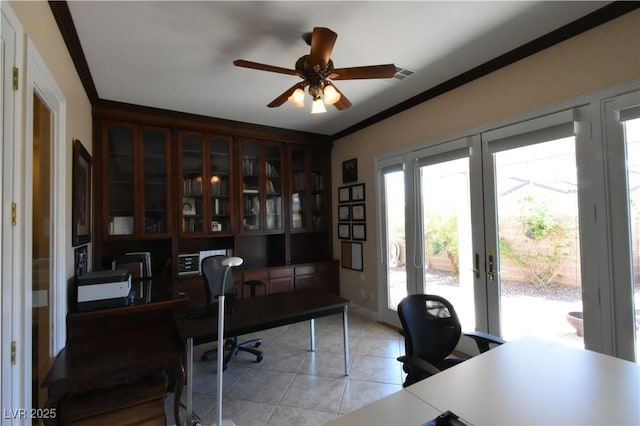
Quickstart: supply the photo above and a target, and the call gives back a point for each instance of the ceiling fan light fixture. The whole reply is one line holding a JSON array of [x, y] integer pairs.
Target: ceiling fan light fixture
[[331, 95], [318, 106], [297, 98]]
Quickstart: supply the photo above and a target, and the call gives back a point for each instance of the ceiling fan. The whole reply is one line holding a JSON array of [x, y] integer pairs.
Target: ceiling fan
[[316, 71]]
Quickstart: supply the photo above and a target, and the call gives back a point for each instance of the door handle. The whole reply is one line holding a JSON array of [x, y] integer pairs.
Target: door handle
[[476, 265], [490, 272]]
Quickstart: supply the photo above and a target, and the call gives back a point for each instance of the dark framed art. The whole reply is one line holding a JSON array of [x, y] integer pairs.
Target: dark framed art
[[344, 194], [357, 192], [358, 212], [81, 195], [344, 231], [359, 232], [350, 170]]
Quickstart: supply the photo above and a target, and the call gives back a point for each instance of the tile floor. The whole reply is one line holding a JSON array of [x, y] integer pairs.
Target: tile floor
[[294, 386]]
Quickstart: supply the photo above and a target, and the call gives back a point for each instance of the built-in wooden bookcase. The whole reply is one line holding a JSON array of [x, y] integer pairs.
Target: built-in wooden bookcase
[[172, 184]]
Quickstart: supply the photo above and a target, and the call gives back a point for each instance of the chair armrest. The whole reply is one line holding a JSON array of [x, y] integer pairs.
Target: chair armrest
[[419, 364], [483, 340]]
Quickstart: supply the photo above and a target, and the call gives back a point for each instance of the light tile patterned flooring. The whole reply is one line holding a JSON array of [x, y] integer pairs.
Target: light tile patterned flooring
[[294, 386]]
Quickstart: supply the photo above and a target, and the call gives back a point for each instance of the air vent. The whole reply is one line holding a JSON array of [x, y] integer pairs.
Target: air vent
[[402, 73]]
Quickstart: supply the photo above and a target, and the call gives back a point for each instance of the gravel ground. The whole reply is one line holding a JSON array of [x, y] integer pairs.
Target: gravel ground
[[559, 293]]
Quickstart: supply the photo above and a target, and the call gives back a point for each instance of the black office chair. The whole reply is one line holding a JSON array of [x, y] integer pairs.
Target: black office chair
[[431, 330], [213, 272]]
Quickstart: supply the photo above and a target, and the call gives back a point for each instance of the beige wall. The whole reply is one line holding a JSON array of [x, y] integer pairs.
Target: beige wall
[[603, 57], [40, 26]]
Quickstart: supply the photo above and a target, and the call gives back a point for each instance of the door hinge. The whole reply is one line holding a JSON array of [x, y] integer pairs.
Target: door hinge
[[13, 353], [16, 74], [14, 214]]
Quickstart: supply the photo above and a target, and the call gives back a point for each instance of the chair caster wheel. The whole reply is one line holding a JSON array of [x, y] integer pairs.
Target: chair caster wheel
[[258, 344], [259, 358]]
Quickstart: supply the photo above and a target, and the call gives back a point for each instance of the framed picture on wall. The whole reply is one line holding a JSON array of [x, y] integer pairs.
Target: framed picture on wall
[[344, 194], [344, 231], [357, 192], [359, 231], [358, 212], [352, 255], [81, 195], [344, 213], [350, 170]]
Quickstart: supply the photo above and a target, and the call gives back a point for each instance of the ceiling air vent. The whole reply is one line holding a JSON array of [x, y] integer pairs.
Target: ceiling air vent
[[402, 73]]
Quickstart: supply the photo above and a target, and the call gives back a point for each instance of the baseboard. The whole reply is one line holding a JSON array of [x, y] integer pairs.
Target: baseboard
[[365, 312]]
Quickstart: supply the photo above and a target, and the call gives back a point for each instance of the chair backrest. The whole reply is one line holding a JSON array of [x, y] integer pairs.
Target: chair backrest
[[431, 326], [213, 273]]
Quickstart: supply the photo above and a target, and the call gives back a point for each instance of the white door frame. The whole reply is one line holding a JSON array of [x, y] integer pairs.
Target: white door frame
[[40, 82], [11, 55]]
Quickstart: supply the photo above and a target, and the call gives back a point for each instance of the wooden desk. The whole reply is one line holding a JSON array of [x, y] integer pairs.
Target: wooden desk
[[108, 346], [527, 381], [261, 313]]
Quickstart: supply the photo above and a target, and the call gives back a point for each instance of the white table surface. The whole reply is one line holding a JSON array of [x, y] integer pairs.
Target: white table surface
[[398, 409], [524, 382], [537, 382]]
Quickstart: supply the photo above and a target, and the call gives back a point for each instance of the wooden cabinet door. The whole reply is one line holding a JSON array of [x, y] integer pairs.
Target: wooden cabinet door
[[137, 181]]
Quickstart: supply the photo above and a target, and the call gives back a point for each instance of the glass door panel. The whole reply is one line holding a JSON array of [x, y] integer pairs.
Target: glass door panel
[[632, 143], [394, 227], [446, 217], [120, 180], [298, 188], [536, 273], [155, 177], [250, 187], [192, 195], [219, 160], [317, 191], [273, 199]]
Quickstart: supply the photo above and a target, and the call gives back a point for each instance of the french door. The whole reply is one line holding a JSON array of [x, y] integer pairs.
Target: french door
[[491, 223]]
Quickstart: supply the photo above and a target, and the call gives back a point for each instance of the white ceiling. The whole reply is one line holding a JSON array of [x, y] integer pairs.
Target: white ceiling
[[178, 55]]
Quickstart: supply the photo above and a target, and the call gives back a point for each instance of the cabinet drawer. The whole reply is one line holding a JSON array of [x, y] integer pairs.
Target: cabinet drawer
[[281, 284], [305, 270], [281, 273], [262, 275], [307, 281]]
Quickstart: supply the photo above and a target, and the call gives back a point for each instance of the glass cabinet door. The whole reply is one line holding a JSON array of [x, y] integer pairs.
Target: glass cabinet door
[[298, 188], [192, 196], [155, 175], [318, 194], [273, 200], [120, 185], [251, 186], [220, 184]]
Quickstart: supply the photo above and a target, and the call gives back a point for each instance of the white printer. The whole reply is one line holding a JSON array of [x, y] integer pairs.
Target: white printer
[[103, 289]]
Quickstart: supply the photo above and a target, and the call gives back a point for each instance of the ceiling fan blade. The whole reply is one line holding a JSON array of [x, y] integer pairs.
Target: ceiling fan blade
[[263, 67], [357, 73], [284, 96], [322, 42], [343, 103]]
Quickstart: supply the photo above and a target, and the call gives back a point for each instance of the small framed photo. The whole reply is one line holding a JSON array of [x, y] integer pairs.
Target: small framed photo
[[357, 192], [344, 194], [344, 231], [188, 206], [358, 212], [359, 232], [350, 170], [344, 213]]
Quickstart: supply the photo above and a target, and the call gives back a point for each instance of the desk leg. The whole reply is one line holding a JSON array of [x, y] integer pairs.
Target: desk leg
[[345, 331], [312, 333], [189, 380]]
